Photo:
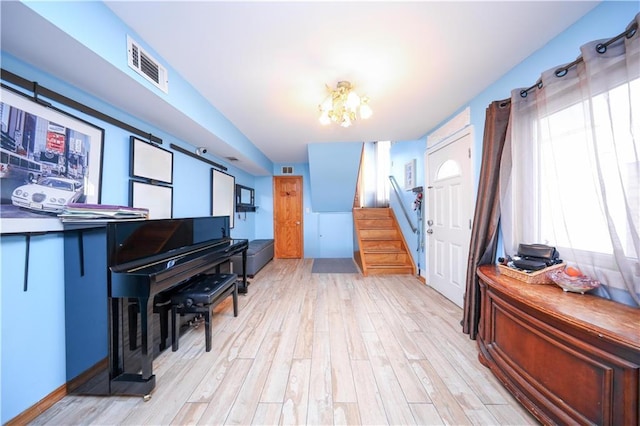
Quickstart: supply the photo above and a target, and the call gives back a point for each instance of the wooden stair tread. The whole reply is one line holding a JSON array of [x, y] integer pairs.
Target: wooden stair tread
[[374, 228], [390, 270], [387, 265], [382, 249], [394, 262]]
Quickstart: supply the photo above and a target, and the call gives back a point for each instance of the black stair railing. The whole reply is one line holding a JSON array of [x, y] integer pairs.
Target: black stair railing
[[396, 189]]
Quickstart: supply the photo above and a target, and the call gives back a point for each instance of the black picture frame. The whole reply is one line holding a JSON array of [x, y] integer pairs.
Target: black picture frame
[[48, 154], [158, 199], [150, 162], [245, 199]]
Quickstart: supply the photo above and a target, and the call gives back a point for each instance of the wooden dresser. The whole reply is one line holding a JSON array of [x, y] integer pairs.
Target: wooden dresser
[[568, 358]]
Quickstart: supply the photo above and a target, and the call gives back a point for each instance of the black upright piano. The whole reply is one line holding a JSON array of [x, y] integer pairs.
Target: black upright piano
[[145, 258]]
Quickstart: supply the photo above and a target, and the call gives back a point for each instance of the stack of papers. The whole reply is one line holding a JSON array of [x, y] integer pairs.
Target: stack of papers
[[101, 212]]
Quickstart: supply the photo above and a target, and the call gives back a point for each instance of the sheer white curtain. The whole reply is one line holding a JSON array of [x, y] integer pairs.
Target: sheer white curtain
[[376, 167], [571, 165]]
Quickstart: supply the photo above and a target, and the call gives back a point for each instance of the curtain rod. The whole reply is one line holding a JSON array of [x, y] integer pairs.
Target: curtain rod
[[38, 90], [600, 48]]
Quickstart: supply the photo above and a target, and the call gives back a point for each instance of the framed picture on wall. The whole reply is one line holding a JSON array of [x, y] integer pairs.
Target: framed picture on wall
[[48, 159], [157, 198], [223, 195], [410, 174], [149, 161]]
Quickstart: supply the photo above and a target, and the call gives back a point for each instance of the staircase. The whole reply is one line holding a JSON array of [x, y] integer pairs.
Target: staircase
[[383, 250]]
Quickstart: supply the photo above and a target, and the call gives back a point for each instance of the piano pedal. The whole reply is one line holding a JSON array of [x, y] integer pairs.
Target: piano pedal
[[146, 398], [196, 321]]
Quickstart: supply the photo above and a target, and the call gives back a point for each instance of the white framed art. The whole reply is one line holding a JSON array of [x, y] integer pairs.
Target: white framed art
[[223, 197], [410, 174], [157, 198], [150, 162]]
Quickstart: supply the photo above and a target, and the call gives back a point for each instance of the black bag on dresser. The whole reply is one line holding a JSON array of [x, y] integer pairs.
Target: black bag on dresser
[[534, 257]]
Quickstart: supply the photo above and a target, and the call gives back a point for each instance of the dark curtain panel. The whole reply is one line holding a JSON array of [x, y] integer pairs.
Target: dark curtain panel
[[484, 234]]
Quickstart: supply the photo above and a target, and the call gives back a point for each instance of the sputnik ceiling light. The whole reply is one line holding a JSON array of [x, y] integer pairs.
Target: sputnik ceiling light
[[342, 105]]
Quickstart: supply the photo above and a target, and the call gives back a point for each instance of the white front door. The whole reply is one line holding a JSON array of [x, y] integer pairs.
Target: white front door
[[449, 215]]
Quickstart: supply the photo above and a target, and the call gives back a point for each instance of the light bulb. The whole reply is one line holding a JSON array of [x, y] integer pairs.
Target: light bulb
[[353, 100], [324, 118], [327, 104], [365, 111], [343, 106]]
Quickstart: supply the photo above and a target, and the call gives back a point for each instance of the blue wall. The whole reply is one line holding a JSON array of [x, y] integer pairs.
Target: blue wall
[[33, 340], [33, 334], [401, 154], [333, 168], [108, 43], [86, 341], [32, 363], [326, 234], [603, 22]]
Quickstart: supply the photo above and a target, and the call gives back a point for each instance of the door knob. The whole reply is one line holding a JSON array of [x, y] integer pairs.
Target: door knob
[[429, 231]]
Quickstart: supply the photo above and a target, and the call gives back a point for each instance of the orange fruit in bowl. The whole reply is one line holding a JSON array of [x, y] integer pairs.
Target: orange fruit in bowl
[[572, 272]]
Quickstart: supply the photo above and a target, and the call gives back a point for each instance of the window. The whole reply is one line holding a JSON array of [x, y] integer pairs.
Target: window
[[448, 169], [570, 173], [573, 172]]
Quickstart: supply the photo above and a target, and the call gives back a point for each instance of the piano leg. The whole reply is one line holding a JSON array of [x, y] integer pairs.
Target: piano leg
[[146, 328], [243, 288], [116, 357], [138, 384]]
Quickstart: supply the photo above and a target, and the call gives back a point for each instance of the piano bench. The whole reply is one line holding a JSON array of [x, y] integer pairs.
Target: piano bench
[[200, 297]]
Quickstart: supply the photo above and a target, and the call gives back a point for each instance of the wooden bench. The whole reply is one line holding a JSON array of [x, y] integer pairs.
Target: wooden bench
[[200, 297]]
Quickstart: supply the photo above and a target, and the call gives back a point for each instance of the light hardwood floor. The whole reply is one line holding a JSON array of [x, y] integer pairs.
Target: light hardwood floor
[[317, 349]]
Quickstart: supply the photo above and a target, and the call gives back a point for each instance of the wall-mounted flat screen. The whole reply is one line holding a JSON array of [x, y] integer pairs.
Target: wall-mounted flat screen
[[151, 162], [158, 199], [222, 195]]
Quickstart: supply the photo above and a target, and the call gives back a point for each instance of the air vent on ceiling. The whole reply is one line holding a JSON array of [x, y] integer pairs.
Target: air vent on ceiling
[[287, 170], [145, 65]]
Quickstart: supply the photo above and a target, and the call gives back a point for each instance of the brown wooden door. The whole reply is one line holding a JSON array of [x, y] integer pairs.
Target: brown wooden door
[[287, 217]]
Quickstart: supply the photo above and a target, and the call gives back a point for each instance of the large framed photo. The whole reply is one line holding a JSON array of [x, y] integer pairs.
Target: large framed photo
[[48, 159], [223, 195]]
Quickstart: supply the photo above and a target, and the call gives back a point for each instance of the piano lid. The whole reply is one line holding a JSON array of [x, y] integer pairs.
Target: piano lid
[[138, 240]]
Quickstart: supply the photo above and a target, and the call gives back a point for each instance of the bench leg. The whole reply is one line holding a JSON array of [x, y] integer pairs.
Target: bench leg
[[164, 326], [175, 324], [207, 327], [235, 299]]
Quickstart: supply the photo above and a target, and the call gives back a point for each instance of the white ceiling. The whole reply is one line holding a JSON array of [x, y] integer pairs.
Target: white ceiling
[[264, 65]]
